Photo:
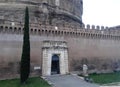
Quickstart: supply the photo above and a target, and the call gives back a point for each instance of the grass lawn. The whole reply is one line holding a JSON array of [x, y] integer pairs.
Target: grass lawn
[[106, 78], [32, 82]]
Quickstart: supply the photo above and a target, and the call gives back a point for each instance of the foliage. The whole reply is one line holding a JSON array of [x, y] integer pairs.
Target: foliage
[[32, 82], [25, 59], [106, 78]]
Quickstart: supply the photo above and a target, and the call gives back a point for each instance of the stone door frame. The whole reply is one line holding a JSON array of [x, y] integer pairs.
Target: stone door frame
[[48, 51]]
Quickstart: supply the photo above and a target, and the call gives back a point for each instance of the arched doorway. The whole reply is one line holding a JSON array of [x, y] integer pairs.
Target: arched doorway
[[55, 68]]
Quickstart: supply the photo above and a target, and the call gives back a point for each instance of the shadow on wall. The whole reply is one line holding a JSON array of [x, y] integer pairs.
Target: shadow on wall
[[9, 70], [12, 70], [96, 65], [11, 67]]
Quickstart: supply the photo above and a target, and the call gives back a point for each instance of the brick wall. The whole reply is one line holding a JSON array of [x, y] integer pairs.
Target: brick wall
[[99, 54]]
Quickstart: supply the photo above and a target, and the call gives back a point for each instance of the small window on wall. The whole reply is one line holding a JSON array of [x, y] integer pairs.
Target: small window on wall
[[57, 2]]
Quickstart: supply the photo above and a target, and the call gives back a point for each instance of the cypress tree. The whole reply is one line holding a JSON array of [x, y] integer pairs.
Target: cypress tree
[[25, 58]]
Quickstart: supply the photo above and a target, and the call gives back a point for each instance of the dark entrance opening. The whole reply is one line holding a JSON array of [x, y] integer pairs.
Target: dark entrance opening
[[55, 69]]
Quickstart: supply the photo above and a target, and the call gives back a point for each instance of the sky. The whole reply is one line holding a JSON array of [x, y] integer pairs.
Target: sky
[[101, 12]]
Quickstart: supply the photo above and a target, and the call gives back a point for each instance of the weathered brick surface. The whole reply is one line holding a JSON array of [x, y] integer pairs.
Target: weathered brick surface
[[67, 12], [100, 54]]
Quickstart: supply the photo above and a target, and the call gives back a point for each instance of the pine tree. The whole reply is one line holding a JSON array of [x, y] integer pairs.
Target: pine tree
[[25, 59]]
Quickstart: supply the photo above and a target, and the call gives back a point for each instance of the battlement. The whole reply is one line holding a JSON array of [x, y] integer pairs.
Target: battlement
[[94, 27], [85, 31]]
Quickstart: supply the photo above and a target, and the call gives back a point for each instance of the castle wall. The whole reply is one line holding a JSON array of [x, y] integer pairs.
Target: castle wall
[[98, 54], [100, 50]]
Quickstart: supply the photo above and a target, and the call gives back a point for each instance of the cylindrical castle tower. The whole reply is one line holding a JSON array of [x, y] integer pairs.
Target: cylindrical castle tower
[[55, 12]]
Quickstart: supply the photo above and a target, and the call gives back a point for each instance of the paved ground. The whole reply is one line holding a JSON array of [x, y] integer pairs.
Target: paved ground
[[68, 81]]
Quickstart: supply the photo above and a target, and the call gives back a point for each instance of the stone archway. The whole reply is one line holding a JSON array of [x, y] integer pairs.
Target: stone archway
[[51, 48]]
